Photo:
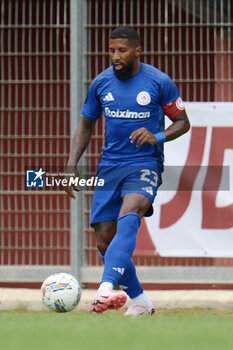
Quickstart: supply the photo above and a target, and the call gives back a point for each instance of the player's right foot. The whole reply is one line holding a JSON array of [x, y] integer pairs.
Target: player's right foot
[[108, 300], [137, 310]]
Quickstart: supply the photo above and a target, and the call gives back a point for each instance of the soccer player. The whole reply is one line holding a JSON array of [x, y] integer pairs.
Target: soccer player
[[134, 98]]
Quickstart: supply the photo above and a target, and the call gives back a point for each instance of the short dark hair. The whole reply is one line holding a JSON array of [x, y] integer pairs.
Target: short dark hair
[[126, 33]]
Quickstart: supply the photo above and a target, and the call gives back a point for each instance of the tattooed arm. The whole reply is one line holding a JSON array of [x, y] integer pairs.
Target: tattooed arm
[[80, 140], [79, 144]]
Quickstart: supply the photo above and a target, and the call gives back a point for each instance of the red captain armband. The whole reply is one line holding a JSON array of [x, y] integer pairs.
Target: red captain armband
[[174, 108]]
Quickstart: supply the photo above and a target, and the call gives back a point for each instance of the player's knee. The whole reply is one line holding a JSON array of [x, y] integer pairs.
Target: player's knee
[[102, 246], [104, 233], [103, 239]]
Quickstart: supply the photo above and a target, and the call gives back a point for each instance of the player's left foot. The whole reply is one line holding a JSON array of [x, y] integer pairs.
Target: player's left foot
[[137, 310], [108, 300]]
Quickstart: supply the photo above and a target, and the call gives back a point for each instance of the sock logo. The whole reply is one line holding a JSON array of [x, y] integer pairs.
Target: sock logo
[[121, 270], [123, 287]]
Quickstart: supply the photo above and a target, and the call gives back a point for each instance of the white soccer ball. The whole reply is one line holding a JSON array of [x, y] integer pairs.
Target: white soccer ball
[[61, 292]]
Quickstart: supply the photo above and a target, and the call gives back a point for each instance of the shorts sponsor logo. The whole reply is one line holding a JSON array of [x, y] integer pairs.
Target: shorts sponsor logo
[[126, 114], [148, 189]]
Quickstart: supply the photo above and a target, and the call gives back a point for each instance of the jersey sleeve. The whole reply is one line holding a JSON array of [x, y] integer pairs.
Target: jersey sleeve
[[171, 101], [92, 107]]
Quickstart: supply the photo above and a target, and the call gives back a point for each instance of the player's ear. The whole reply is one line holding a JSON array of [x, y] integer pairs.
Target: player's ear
[[138, 51]]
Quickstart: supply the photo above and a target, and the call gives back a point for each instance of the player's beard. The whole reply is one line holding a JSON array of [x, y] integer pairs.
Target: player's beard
[[124, 73]]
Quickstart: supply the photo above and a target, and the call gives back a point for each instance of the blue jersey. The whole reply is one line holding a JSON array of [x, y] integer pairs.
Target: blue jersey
[[137, 102]]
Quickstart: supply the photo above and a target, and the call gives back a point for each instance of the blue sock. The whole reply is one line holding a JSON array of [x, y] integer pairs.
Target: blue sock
[[129, 281], [118, 255]]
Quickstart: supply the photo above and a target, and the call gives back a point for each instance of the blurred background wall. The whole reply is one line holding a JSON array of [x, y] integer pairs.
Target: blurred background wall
[[189, 40]]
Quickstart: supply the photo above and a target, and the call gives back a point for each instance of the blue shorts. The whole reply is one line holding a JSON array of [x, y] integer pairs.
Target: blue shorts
[[143, 178]]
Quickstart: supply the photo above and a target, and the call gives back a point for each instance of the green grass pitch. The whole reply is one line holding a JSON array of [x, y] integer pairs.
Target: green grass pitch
[[187, 329]]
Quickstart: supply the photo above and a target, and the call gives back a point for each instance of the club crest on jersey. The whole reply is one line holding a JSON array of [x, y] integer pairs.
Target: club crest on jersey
[[143, 98]]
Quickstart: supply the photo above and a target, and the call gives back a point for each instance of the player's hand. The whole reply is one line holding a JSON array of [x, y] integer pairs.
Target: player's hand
[[142, 136], [70, 188]]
